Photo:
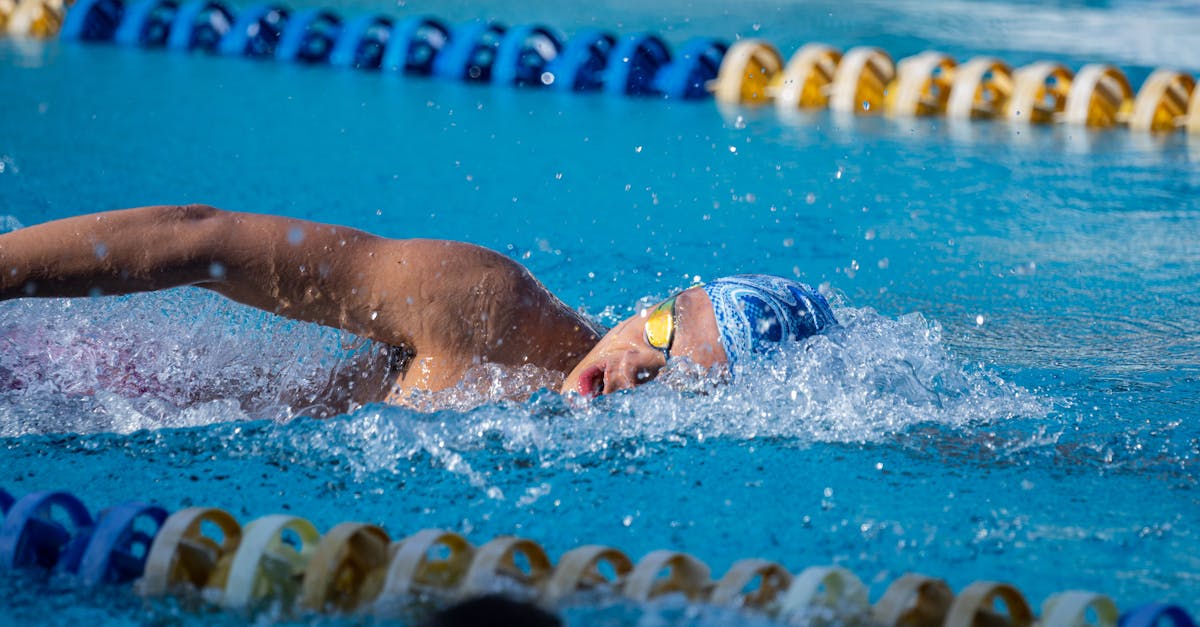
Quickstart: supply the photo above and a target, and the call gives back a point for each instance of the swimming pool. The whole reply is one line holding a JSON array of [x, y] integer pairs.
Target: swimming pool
[[1013, 395]]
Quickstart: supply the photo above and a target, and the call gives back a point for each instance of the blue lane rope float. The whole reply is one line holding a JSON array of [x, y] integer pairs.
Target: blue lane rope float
[[309, 36], [1153, 614], [285, 561], [581, 63], [633, 63], [199, 25], [117, 549], [92, 20], [523, 55], [256, 32], [361, 42], [414, 44], [861, 81], [688, 76], [147, 23], [471, 52], [31, 536]]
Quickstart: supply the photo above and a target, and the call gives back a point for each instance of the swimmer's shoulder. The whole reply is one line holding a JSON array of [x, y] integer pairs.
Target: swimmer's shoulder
[[484, 306]]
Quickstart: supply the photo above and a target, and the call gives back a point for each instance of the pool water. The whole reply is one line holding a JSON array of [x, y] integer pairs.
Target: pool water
[[1012, 394]]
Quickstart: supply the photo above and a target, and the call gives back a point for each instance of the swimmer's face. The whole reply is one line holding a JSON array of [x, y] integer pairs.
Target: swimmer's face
[[624, 358]]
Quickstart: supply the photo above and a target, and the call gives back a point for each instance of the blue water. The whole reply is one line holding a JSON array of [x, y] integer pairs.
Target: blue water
[[1013, 394]]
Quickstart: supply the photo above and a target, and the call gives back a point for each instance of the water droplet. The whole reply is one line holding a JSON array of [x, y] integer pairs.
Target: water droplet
[[733, 149], [866, 105], [374, 315], [547, 78], [216, 270], [295, 235], [979, 319]]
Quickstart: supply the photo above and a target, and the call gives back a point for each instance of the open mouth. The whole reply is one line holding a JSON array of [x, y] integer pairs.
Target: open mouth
[[591, 382]]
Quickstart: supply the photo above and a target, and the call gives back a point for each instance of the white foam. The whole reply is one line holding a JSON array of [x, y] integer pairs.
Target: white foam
[[172, 359], [189, 358], [870, 380]]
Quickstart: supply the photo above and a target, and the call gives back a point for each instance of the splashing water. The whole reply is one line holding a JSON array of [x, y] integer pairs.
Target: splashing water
[[872, 379], [185, 358], [189, 359]]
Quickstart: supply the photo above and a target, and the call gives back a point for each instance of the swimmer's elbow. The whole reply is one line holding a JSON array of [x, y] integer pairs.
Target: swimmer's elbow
[[187, 240], [194, 212]]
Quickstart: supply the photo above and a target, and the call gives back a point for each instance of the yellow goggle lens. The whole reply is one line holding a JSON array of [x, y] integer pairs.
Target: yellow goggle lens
[[660, 326]]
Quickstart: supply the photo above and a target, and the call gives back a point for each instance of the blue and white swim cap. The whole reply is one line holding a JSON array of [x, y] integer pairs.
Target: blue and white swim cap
[[758, 312]]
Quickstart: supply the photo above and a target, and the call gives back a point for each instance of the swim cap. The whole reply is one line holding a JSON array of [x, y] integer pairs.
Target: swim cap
[[757, 312]]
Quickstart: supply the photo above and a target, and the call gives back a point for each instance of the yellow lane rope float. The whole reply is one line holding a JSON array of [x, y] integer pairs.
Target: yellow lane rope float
[[864, 81], [1100, 97], [922, 85], [981, 89], [347, 569], [914, 601], [33, 18], [1162, 103], [579, 569], [746, 72], [1039, 93], [806, 81], [184, 552], [861, 81]]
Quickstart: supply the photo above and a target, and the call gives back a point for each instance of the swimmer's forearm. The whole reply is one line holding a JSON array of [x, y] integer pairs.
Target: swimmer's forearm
[[118, 252], [295, 268]]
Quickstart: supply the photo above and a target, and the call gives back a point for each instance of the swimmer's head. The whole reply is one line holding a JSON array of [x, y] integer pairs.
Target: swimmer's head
[[756, 313], [714, 326]]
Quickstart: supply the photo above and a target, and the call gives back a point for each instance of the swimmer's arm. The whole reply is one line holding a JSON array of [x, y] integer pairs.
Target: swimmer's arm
[[330, 275], [454, 303]]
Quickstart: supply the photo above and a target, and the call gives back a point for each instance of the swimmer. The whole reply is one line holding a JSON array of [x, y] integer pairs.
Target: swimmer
[[443, 307]]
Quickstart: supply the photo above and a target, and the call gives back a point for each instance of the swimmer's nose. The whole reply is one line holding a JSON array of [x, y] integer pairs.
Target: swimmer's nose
[[633, 369]]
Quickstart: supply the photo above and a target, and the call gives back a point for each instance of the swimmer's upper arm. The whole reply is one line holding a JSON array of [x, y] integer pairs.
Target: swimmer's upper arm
[[401, 292], [448, 300], [454, 302]]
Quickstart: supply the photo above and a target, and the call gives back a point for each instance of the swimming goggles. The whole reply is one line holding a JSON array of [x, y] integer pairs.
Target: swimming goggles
[[660, 326]]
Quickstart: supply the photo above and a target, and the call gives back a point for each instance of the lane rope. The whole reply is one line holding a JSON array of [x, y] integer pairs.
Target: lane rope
[[284, 561], [862, 81]]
